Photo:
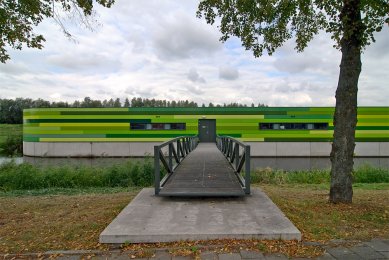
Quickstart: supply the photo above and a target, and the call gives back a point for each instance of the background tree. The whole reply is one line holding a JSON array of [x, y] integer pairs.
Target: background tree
[[19, 18], [126, 103], [264, 25]]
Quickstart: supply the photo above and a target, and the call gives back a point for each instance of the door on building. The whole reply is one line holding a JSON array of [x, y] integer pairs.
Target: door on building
[[207, 130]]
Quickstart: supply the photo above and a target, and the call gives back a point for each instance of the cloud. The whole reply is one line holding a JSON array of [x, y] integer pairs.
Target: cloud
[[228, 73], [159, 49], [291, 99], [194, 76], [83, 62], [195, 90], [180, 36], [143, 92], [296, 64], [13, 68], [319, 57]]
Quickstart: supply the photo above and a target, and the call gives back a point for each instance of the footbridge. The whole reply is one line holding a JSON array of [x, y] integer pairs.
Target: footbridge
[[185, 167]]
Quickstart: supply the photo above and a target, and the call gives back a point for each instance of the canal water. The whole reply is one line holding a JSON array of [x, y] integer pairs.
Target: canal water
[[284, 163]]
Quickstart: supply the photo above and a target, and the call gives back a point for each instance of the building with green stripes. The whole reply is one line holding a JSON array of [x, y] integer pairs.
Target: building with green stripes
[[271, 131]]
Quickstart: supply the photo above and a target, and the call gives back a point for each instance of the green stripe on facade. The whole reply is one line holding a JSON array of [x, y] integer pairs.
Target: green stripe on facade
[[98, 124]]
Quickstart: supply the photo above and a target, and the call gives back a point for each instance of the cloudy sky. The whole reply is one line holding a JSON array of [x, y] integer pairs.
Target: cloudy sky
[[159, 49]]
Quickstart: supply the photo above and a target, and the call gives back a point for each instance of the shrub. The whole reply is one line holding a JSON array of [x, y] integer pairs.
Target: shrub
[[12, 146]]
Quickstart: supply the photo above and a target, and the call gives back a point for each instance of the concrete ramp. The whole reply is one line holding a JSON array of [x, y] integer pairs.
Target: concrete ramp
[[150, 219]]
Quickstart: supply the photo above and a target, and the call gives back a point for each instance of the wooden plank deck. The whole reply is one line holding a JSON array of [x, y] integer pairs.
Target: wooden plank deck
[[204, 173]]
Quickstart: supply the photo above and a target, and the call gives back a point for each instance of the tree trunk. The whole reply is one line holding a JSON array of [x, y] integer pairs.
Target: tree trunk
[[345, 117]]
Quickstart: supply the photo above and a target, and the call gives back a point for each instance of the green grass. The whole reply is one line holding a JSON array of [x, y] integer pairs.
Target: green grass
[[368, 174], [27, 179], [363, 174], [26, 176]]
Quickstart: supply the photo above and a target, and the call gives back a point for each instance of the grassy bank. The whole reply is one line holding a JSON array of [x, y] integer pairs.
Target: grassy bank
[[26, 176], [18, 177], [362, 174]]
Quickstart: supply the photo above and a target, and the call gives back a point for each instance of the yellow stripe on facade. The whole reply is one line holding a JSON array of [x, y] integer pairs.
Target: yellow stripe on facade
[[373, 124], [219, 117], [380, 132], [374, 116], [321, 132], [251, 139]]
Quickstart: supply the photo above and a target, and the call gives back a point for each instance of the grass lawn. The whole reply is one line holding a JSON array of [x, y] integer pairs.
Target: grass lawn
[[7, 130], [307, 206], [68, 219], [48, 222]]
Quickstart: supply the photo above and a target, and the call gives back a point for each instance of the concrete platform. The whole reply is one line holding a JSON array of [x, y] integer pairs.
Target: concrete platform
[[149, 219]]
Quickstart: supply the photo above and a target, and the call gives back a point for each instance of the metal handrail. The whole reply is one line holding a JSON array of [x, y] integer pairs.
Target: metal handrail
[[177, 149], [230, 147]]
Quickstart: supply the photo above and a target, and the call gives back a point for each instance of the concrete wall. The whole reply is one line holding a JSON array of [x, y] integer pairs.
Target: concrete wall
[[100, 149], [140, 149], [314, 149]]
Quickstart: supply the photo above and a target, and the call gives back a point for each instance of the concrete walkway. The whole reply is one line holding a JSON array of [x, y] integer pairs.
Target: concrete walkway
[[374, 249], [150, 219]]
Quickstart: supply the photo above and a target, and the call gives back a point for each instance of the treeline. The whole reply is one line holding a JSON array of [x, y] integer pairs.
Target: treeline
[[11, 110]]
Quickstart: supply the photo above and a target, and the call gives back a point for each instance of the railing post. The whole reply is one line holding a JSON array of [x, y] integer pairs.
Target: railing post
[[171, 156], [247, 170], [157, 173], [230, 150], [236, 155], [178, 150]]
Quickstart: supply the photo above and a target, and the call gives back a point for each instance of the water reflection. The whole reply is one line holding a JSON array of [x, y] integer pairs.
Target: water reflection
[[8, 159], [285, 163]]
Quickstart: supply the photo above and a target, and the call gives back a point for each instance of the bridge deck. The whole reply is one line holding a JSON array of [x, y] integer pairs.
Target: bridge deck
[[205, 172]]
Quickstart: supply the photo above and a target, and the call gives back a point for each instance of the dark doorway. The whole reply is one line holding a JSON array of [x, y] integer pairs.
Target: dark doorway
[[207, 130]]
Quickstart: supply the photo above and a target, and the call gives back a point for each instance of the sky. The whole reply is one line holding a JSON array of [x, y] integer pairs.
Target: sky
[[160, 49]]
